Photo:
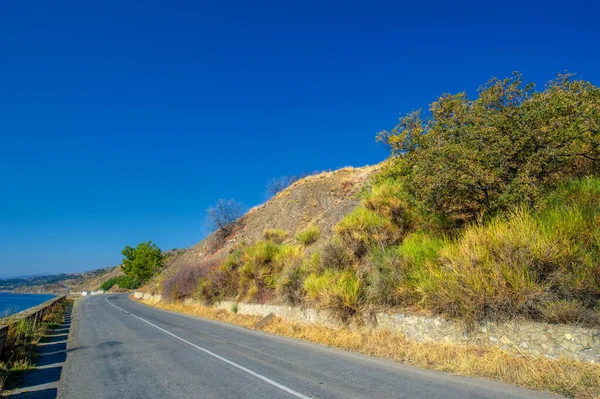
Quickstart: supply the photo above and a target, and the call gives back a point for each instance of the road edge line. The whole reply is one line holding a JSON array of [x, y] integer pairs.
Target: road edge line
[[238, 366]]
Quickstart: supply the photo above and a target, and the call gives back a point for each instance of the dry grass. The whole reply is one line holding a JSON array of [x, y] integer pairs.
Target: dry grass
[[563, 376], [204, 312], [21, 349]]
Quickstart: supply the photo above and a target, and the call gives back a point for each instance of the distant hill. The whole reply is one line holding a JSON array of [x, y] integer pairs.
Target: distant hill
[[59, 283]]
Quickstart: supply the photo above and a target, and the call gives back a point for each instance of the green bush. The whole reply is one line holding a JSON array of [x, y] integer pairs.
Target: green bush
[[334, 255], [394, 271], [291, 278], [309, 235], [520, 265], [259, 271], [124, 282], [340, 292], [508, 146], [275, 235], [390, 198], [569, 312], [364, 228]]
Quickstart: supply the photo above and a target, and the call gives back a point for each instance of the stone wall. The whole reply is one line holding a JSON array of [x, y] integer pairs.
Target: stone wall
[[525, 337], [34, 314], [551, 340]]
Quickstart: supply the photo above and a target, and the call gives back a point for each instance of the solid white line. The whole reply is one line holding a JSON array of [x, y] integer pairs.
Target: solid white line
[[255, 374]]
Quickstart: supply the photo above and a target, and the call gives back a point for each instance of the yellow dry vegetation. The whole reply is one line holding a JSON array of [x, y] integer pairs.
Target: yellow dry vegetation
[[567, 377]]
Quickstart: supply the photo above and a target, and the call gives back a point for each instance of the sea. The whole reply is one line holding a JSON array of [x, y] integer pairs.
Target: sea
[[15, 303]]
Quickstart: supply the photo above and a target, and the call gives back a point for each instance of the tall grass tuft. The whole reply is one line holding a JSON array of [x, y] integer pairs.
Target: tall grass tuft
[[309, 236], [364, 228], [275, 235], [340, 292]]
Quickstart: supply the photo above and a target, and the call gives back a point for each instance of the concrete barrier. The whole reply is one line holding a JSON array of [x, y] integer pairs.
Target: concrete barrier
[[35, 315]]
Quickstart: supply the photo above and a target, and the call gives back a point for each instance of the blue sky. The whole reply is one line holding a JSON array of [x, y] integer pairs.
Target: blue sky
[[122, 121]]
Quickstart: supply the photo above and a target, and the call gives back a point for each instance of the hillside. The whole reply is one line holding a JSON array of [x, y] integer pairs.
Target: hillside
[[487, 210], [60, 283], [319, 200]]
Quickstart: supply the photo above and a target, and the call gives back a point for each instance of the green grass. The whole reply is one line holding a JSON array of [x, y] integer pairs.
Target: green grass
[[364, 228], [309, 236], [541, 264], [340, 292], [275, 235]]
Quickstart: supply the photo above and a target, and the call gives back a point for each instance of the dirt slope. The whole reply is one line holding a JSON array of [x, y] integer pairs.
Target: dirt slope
[[317, 200]]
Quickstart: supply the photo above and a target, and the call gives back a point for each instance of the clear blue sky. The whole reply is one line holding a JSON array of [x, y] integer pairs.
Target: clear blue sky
[[122, 121]]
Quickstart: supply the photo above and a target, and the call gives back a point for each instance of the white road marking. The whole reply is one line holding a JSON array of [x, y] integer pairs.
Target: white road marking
[[255, 374]]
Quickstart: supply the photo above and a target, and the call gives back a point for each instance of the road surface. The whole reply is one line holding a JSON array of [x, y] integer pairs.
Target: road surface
[[122, 349]]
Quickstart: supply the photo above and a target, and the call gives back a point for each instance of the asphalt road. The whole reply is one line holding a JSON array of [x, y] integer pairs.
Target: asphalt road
[[122, 349]]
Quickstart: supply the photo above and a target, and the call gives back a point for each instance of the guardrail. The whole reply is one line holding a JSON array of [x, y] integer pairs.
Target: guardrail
[[35, 315]]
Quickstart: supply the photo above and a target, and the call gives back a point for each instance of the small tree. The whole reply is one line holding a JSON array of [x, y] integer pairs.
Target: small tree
[[143, 261], [278, 184], [222, 216]]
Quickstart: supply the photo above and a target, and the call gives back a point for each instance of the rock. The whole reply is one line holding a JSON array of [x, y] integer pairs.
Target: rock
[[545, 347], [524, 345], [505, 340], [569, 337], [589, 355]]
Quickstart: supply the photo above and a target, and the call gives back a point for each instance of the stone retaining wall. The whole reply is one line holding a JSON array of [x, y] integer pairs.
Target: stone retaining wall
[[525, 337], [34, 314]]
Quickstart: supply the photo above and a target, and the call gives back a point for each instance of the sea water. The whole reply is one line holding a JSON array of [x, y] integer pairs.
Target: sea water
[[14, 303]]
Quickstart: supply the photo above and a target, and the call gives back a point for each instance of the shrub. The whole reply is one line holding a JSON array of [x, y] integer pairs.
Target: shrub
[[220, 283], [312, 263], [474, 157], [125, 282], [258, 273], [185, 281], [275, 235], [364, 228], [334, 255], [20, 347], [278, 184], [309, 235], [507, 267], [223, 214], [569, 312], [290, 285], [390, 199], [340, 292], [394, 271], [496, 271]]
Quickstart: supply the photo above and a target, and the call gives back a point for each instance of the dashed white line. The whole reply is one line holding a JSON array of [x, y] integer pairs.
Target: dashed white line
[[253, 373]]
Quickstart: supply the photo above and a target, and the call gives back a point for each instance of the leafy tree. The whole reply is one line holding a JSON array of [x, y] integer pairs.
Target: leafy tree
[[222, 216], [143, 261], [472, 157]]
